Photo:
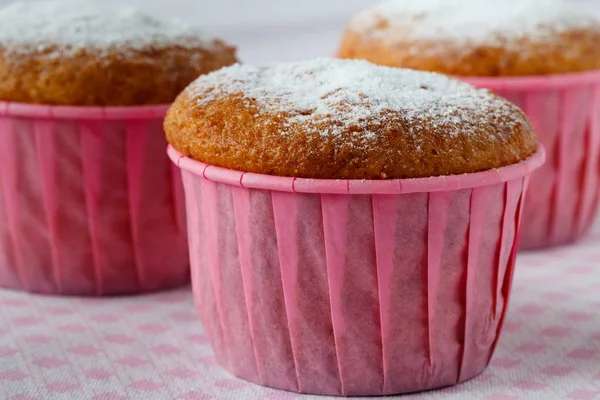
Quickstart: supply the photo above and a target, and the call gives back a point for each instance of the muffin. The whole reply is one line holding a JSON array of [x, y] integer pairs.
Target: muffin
[[543, 55], [90, 204], [353, 226]]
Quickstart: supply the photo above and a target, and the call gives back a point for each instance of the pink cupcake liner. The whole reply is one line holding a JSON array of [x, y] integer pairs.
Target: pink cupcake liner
[[89, 204], [565, 111], [340, 287]]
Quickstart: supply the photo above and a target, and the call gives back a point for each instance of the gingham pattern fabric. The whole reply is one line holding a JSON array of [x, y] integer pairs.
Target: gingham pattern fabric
[[154, 347]]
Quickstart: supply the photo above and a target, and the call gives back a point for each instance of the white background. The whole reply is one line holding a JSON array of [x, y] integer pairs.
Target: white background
[[263, 30], [269, 30], [266, 30]]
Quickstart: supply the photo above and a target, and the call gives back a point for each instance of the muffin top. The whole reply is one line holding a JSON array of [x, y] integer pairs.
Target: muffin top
[[477, 38], [344, 119], [89, 53]]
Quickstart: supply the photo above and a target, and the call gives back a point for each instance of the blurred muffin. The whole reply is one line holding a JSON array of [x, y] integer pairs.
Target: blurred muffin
[[87, 53], [94, 206], [346, 120], [542, 55], [476, 38]]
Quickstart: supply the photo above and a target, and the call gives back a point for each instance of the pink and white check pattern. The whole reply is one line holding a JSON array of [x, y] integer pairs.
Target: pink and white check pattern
[[154, 347]]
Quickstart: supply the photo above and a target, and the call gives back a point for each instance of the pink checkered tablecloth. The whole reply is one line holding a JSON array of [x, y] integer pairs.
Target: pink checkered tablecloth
[[154, 347]]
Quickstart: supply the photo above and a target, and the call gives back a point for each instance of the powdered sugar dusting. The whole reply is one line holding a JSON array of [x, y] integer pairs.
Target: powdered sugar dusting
[[357, 96], [70, 25], [480, 21]]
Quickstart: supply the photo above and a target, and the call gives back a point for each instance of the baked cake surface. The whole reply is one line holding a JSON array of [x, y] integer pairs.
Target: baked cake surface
[[477, 38], [345, 119], [88, 53]]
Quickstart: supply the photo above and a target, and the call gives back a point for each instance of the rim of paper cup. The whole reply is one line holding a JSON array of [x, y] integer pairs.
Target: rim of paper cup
[[251, 180], [12, 109], [539, 82]]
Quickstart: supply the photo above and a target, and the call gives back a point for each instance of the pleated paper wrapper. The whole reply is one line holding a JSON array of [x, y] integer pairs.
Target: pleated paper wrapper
[[353, 287], [89, 202], [565, 110]]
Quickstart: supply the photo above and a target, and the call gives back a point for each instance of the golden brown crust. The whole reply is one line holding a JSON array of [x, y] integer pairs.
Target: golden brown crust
[[237, 132], [487, 38], [123, 77], [575, 50]]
